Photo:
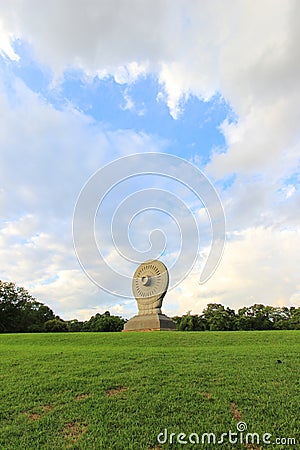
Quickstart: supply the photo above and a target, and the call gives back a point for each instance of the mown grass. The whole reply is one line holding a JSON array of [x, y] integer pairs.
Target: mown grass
[[120, 390]]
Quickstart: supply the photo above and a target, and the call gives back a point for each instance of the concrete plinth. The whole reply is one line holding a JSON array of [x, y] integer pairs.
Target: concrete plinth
[[150, 322]]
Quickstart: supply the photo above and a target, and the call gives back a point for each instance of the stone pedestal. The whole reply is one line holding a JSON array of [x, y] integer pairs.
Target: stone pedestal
[[150, 322]]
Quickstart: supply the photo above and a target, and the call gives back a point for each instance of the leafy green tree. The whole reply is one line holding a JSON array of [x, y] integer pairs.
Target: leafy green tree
[[75, 325], [255, 317], [295, 318], [190, 322], [19, 311], [279, 317], [104, 322], [56, 325], [218, 318]]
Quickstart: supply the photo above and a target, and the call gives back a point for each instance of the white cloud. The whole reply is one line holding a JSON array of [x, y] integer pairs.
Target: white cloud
[[94, 35], [130, 72], [263, 140], [45, 163], [46, 156], [245, 50], [260, 265], [6, 48]]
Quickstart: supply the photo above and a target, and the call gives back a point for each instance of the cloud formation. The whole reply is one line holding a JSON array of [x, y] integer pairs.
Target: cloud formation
[[43, 167], [248, 53]]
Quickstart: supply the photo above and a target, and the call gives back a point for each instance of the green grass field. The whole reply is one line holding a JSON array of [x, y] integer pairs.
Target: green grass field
[[120, 390]]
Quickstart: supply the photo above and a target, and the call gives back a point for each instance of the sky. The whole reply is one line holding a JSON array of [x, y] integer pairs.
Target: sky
[[213, 83]]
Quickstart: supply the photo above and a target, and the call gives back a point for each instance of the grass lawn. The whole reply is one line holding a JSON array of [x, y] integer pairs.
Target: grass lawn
[[120, 390]]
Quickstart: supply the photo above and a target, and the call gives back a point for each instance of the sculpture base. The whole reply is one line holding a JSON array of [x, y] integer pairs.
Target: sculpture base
[[150, 322]]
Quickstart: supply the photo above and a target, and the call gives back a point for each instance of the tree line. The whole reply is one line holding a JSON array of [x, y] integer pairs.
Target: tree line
[[22, 313], [215, 317]]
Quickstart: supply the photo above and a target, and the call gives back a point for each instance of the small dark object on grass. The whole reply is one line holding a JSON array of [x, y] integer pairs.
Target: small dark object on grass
[[279, 361]]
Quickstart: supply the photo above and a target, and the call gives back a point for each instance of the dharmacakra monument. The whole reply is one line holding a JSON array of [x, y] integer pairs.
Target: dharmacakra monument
[[149, 286]]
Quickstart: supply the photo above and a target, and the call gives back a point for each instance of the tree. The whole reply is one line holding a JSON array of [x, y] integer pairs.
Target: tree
[[104, 322], [19, 311], [279, 317], [191, 323], [56, 325], [218, 318], [75, 325], [256, 317], [295, 318]]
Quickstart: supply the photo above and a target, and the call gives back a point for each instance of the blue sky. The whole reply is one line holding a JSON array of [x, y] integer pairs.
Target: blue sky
[[96, 83], [138, 106]]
